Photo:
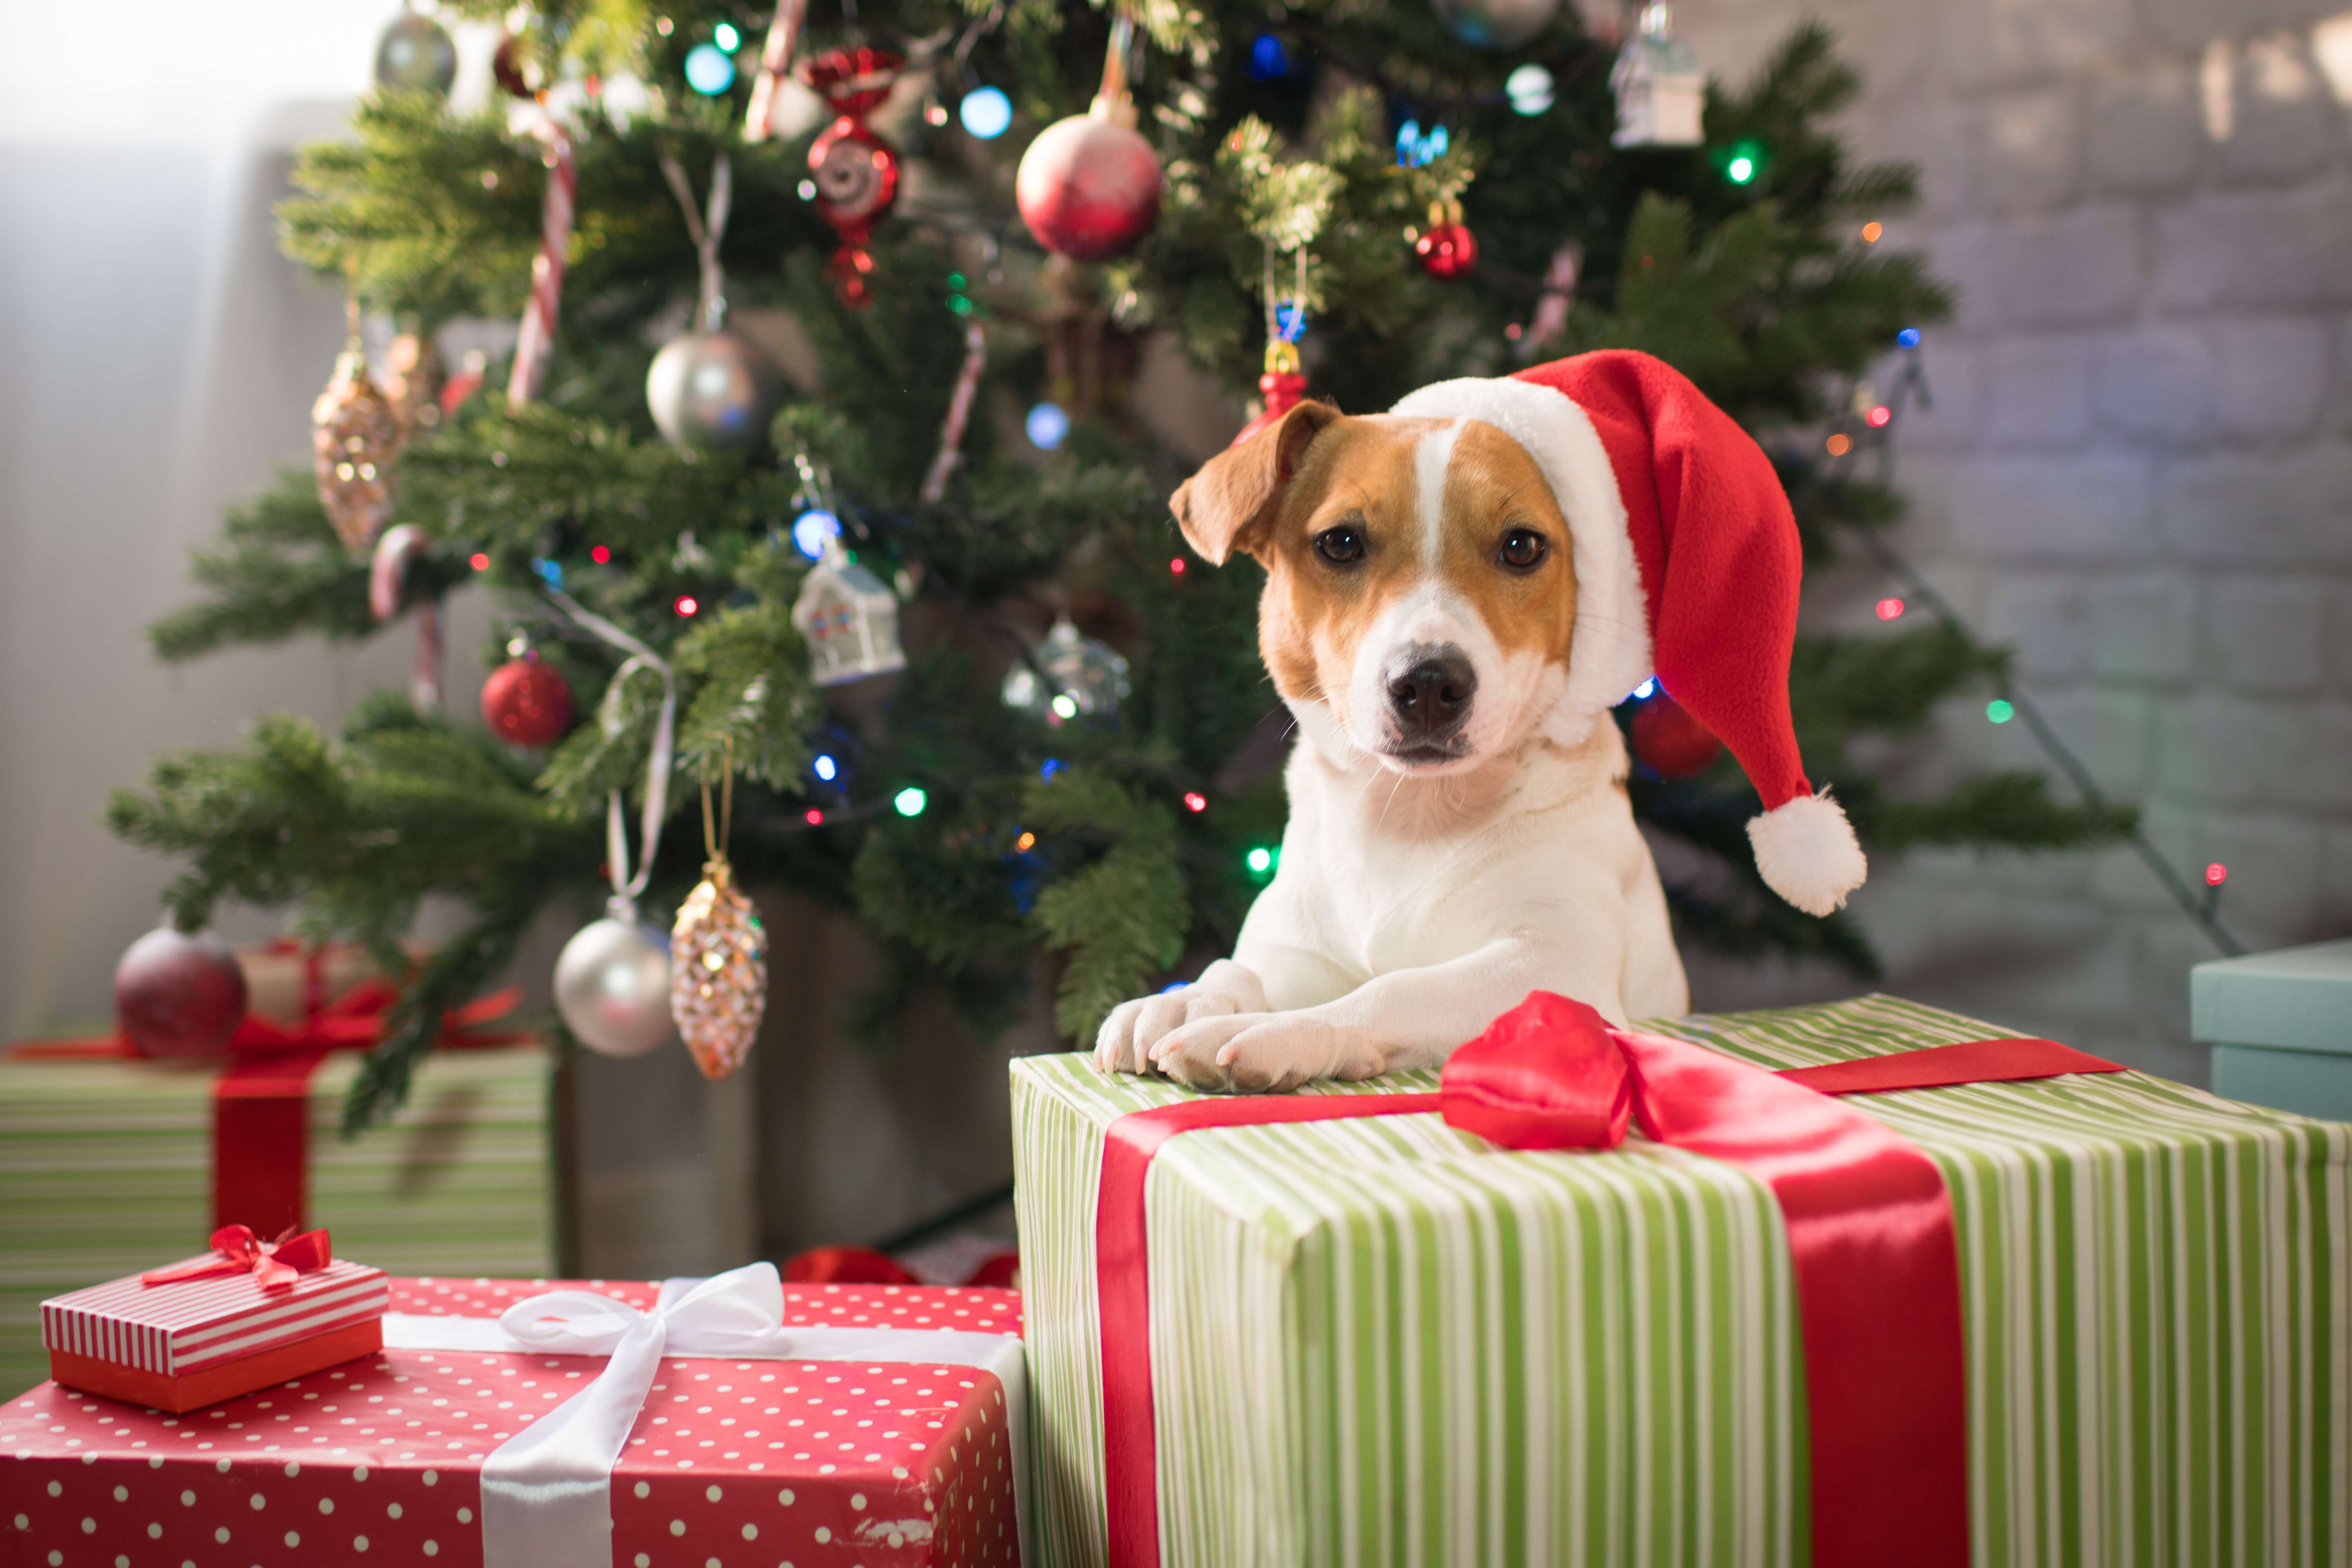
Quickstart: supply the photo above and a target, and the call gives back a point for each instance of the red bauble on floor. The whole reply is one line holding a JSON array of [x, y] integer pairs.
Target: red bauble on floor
[[178, 995], [527, 703]]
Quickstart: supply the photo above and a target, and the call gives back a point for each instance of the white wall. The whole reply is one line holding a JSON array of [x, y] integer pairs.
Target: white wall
[[2138, 470]]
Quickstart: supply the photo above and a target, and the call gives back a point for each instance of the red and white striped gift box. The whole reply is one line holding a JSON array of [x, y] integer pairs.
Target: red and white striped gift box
[[175, 1330]]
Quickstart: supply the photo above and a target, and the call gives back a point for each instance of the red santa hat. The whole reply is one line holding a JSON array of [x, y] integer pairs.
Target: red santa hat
[[1686, 567]]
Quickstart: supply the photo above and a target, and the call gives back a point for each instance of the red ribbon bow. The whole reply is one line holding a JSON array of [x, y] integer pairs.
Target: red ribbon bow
[[276, 1264]]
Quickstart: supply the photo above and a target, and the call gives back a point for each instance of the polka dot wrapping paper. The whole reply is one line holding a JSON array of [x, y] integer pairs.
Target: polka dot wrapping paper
[[740, 1464]]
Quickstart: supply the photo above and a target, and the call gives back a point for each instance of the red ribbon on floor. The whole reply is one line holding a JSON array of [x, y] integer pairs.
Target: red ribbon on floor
[[1870, 1239], [240, 1251]]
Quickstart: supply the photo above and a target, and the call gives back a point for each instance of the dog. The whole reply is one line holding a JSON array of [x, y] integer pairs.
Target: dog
[[1460, 833]]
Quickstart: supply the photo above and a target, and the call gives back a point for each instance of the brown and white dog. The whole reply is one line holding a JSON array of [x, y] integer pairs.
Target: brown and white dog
[[1447, 851], [1449, 641]]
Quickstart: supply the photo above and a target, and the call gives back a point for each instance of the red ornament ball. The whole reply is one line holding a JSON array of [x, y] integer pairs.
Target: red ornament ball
[[527, 703], [1670, 740], [178, 995], [1089, 188], [1447, 250]]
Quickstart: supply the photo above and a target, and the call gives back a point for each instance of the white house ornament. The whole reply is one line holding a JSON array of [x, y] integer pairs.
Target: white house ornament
[[1067, 677], [1660, 91], [355, 437], [612, 983], [849, 618]]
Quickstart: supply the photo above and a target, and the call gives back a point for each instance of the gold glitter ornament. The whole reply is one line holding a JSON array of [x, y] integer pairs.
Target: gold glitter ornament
[[355, 437], [718, 962]]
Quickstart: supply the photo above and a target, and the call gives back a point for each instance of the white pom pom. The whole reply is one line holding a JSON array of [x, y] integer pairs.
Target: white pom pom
[[1806, 852]]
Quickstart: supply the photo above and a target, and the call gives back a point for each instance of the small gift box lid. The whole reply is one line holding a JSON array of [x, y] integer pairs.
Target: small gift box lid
[[177, 1329], [2297, 999]]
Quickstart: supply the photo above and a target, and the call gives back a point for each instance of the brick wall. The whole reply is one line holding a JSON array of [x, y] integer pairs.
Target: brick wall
[[2138, 470]]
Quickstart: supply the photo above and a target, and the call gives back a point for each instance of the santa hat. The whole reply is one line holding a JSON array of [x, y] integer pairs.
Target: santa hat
[[1686, 568]]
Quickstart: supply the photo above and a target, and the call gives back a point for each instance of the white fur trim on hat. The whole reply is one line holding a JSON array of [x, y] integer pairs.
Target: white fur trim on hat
[[1608, 652], [1806, 849]]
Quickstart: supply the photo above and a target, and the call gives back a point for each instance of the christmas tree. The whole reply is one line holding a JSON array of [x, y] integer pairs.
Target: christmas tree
[[1368, 198]]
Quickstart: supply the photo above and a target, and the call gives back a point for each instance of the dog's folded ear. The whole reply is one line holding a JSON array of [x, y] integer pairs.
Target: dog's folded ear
[[1228, 505]]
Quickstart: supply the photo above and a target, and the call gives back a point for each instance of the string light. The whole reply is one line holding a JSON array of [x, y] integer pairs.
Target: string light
[[1529, 88], [686, 605], [599, 556], [1023, 845], [1195, 801], [1741, 169], [1176, 567], [812, 530], [709, 71], [910, 800], [2216, 874], [1416, 151], [825, 768], [1889, 609], [986, 113], [1909, 338], [1046, 425], [1999, 711], [1268, 58], [726, 38], [1261, 859], [816, 818], [1870, 233], [1647, 689], [1839, 444], [1065, 705], [1879, 417], [478, 561], [1053, 766]]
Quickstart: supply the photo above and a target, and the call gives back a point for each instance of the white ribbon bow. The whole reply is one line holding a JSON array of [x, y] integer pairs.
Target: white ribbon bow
[[547, 1492]]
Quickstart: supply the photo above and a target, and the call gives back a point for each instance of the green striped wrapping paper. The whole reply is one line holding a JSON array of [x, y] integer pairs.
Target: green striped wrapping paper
[[1381, 1340], [106, 1169]]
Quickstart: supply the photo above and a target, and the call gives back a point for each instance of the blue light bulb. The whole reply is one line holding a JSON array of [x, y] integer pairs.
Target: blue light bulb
[[1909, 338], [709, 71], [1268, 58], [825, 768], [986, 113], [810, 530], [1047, 424]]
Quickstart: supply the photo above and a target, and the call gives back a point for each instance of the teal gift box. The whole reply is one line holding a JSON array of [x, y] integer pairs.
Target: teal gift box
[[2281, 1028]]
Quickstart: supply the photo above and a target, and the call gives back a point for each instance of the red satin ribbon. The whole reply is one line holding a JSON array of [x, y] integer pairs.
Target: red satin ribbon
[[275, 1264], [1870, 1237]]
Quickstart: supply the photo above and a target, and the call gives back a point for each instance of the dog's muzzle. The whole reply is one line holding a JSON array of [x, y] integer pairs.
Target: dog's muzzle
[[1430, 688]]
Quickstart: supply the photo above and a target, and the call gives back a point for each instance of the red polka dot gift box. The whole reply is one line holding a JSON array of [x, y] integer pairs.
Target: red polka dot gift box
[[854, 1425]]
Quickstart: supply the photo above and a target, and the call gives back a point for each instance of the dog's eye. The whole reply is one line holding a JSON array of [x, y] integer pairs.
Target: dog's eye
[[1340, 546], [1522, 549]]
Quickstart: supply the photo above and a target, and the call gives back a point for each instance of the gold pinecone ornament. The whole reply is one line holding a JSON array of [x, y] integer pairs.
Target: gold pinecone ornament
[[718, 972], [355, 437]]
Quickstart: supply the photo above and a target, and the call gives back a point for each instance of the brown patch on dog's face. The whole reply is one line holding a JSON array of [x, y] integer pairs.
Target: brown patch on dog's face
[[1420, 598]]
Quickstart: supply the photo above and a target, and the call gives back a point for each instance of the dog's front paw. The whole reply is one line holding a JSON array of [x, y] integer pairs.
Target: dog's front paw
[[1262, 1053], [1124, 1042]]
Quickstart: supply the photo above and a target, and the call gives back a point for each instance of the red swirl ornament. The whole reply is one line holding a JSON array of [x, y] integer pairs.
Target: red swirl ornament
[[854, 171]]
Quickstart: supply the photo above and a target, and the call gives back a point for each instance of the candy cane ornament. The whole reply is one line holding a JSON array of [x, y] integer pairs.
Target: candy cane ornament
[[538, 339]]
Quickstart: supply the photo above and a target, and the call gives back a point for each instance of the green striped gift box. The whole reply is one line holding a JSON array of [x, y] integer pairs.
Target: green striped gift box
[[1383, 1340], [105, 1169]]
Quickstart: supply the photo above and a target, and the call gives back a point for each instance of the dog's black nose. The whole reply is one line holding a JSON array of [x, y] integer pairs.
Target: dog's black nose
[[1431, 687]]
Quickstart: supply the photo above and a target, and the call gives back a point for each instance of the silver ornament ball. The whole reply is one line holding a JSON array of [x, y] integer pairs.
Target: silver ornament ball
[[1496, 24], [416, 52], [1081, 678], [712, 389], [612, 986]]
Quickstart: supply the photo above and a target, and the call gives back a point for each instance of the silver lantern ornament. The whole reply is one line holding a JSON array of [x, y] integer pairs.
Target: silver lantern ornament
[[416, 52], [1067, 677], [1661, 92], [612, 984], [712, 389], [849, 618], [1496, 24]]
